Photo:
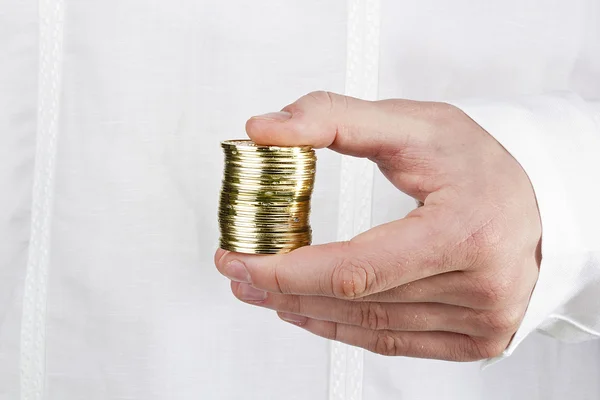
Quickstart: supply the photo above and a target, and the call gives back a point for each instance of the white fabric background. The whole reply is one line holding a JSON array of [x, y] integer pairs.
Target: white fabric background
[[18, 110], [135, 308]]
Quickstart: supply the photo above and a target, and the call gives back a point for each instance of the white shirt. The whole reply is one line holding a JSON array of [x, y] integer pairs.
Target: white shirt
[[111, 114]]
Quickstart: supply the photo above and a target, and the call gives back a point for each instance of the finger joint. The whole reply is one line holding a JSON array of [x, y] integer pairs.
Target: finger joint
[[387, 344], [374, 316], [353, 279]]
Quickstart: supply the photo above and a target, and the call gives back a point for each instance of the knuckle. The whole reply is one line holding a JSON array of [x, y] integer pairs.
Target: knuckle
[[373, 316], [352, 279], [327, 100], [498, 323], [484, 349], [320, 96], [386, 344], [494, 291]]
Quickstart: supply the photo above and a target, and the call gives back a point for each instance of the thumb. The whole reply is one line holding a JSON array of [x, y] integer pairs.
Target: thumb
[[347, 125]]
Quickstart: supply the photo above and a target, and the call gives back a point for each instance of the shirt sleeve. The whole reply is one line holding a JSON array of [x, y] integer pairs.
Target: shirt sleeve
[[556, 139]]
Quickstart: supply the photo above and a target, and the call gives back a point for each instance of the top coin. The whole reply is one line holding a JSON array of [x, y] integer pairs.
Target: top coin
[[249, 145]]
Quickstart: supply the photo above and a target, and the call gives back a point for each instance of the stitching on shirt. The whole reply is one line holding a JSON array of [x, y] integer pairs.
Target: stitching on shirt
[[356, 181], [33, 323]]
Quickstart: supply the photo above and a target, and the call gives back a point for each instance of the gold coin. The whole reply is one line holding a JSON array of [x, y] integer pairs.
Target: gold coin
[[245, 145], [264, 206]]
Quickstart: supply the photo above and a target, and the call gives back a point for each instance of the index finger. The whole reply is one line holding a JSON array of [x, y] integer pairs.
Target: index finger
[[345, 124], [382, 258]]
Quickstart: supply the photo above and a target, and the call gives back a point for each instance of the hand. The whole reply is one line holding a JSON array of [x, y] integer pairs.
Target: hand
[[451, 280]]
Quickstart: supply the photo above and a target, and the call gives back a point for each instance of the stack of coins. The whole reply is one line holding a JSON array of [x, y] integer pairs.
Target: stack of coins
[[265, 197]]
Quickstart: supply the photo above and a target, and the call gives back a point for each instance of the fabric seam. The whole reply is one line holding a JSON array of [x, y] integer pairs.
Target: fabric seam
[[33, 322], [356, 180]]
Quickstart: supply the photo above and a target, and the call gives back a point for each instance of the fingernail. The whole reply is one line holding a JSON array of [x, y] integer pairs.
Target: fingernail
[[248, 293], [275, 116], [293, 318], [236, 271]]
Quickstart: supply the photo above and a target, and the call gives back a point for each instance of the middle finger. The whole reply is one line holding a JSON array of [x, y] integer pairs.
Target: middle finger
[[377, 316]]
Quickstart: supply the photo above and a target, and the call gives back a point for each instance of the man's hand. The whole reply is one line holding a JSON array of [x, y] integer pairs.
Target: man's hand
[[451, 280]]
